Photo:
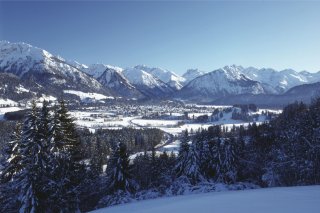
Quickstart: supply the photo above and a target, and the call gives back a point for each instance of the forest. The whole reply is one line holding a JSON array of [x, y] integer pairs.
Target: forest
[[48, 165]]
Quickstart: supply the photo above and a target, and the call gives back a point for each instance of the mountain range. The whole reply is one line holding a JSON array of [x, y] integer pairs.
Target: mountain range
[[27, 72]]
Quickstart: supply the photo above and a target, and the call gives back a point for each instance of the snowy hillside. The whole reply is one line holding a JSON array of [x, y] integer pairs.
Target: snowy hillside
[[275, 200], [220, 83], [169, 77]]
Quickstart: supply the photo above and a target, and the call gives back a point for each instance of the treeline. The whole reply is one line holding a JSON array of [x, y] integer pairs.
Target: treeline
[[50, 168], [136, 140]]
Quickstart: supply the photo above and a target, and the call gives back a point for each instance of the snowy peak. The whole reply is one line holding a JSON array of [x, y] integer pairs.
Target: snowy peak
[[96, 70], [77, 65], [280, 81], [220, 83], [141, 77], [52, 73], [191, 74], [167, 76], [232, 72], [21, 49], [112, 78], [20, 57], [147, 83], [110, 75]]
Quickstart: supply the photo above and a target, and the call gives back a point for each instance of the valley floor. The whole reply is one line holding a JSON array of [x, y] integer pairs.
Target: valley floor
[[275, 200]]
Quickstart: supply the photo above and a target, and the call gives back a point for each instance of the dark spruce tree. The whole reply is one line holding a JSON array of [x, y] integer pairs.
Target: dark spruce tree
[[192, 168], [12, 165], [32, 179], [119, 184], [183, 155], [8, 192], [119, 171], [66, 169], [188, 161], [97, 158]]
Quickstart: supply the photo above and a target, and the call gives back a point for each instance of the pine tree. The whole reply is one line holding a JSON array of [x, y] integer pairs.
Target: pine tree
[[230, 162], [66, 169], [141, 170], [8, 190], [193, 166], [227, 164], [183, 155], [97, 158], [119, 171], [12, 165], [43, 123], [32, 180], [208, 162]]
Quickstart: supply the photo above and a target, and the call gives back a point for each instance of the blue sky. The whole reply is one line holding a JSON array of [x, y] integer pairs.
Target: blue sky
[[172, 35]]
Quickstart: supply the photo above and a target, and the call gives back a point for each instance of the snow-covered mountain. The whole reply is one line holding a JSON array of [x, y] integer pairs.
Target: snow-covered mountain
[[43, 71], [146, 83], [220, 83], [191, 74], [96, 70], [305, 93], [30, 71], [173, 80], [281, 81], [112, 78]]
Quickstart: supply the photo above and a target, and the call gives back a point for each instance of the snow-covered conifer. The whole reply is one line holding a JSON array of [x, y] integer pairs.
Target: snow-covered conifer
[[183, 154], [119, 171]]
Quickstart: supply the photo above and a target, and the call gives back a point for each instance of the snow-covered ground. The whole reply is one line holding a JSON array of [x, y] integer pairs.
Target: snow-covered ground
[[155, 123], [270, 200], [8, 109], [8, 102]]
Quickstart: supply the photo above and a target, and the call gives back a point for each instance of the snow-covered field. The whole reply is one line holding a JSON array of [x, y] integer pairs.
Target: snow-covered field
[[271, 200]]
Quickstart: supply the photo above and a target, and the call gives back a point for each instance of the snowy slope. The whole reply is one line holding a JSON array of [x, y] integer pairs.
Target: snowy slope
[[146, 83], [191, 74], [167, 76], [220, 83], [275, 200]]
